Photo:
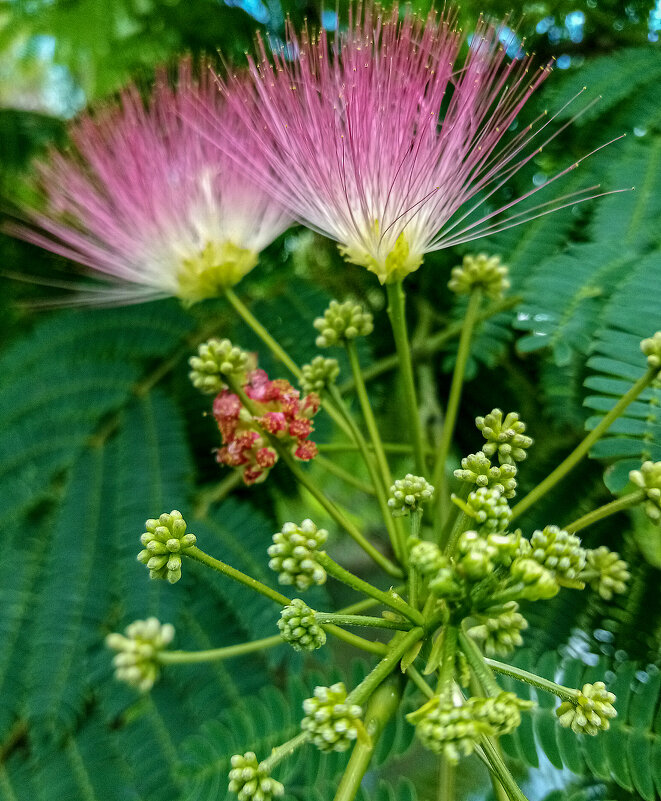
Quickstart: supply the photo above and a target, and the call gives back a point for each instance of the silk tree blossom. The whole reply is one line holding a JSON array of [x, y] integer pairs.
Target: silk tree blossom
[[381, 138], [145, 198]]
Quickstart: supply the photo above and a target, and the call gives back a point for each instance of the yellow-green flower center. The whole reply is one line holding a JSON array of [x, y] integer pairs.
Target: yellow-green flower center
[[216, 267], [395, 266]]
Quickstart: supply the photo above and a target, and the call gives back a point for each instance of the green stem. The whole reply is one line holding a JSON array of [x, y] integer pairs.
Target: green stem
[[386, 598], [566, 693], [388, 447], [217, 654], [348, 637], [448, 658], [248, 581], [500, 769], [331, 467], [419, 682], [618, 505], [342, 521], [454, 520], [400, 644], [380, 490], [431, 344], [446, 780], [397, 314], [365, 604], [582, 449], [285, 750], [477, 664], [382, 706], [438, 476], [361, 620]]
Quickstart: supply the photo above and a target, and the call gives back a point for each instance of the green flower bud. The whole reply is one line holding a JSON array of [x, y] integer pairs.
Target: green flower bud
[[332, 722], [500, 633], [540, 582], [426, 558], [450, 730], [591, 712], [251, 781], [318, 375], [216, 358], [648, 478], [342, 322], [612, 574], [293, 554], [408, 494], [165, 541], [477, 469], [299, 627], [508, 547], [445, 583], [491, 511], [474, 558], [558, 551], [480, 272], [502, 712], [651, 347], [504, 437], [136, 661]]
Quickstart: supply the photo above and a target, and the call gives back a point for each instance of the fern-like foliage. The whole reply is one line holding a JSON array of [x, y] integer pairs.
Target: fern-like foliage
[[626, 754], [617, 361]]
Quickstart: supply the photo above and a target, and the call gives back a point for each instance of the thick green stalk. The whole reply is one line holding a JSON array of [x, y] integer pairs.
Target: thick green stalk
[[430, 345], [285, 750], [397, 314], [382, 706], [582, 449], [231, 572], [618, 505], [566, 693], [361, 620], [331, 467], [477, 664], [399, 645], [500, 769], [438, 476], [446, 780], [448, 658], [217, 654], [371, 646], [368, 458], [386, 598], [342, 521]]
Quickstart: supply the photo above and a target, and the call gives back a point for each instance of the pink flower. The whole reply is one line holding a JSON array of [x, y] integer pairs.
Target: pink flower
[[381, 137], [145, 198], [282, 414]]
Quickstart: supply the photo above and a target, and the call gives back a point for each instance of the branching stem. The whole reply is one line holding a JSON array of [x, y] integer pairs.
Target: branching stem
[[618, 505]]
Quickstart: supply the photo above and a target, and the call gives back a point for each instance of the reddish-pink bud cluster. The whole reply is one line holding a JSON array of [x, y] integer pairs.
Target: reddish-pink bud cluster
[[282, 413]]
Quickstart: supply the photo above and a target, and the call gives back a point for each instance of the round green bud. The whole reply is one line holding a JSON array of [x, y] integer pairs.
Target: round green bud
[[332, 722], [508, 547], [540, 583], [651, 347], [476, 468], [251, 781], [502, 712], [504, 436], [165, 541], [591, 712], [293, 554], [318, 375], [489, 509], [216, 358], [445, 583], [136, 662], [474, 559], [558, 551], [408, 494], [449, 730], [500, 631], [341, 323], [426, 558], [648, 478], [299, 627], [480, 272], [612, 574]]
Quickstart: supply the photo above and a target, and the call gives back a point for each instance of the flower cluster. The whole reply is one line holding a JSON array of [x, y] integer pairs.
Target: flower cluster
[[217, 358], [293, 554], [651, 347], [504, 436], [333, 722], [590, 712], [299, 627], [480, 272], [319, 374], [279, 413], [476, 468], [408, 494], [136, 662], [165, 541], [251, 780], [648, 478], [342, 323]]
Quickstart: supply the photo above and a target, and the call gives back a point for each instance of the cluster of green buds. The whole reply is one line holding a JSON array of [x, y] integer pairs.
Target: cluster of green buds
[[299, 627], [504, 436], [499, 632], [165, 541], [342, 322], [559, 552], [318, 375], [651, 347], [590, 711], [489, 509], [480, 272], [136, 662], [476, 468], [408, 494], [648, 478], [218, 358], [605, 572], [331, 720], [251, 780], [293, 554]]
